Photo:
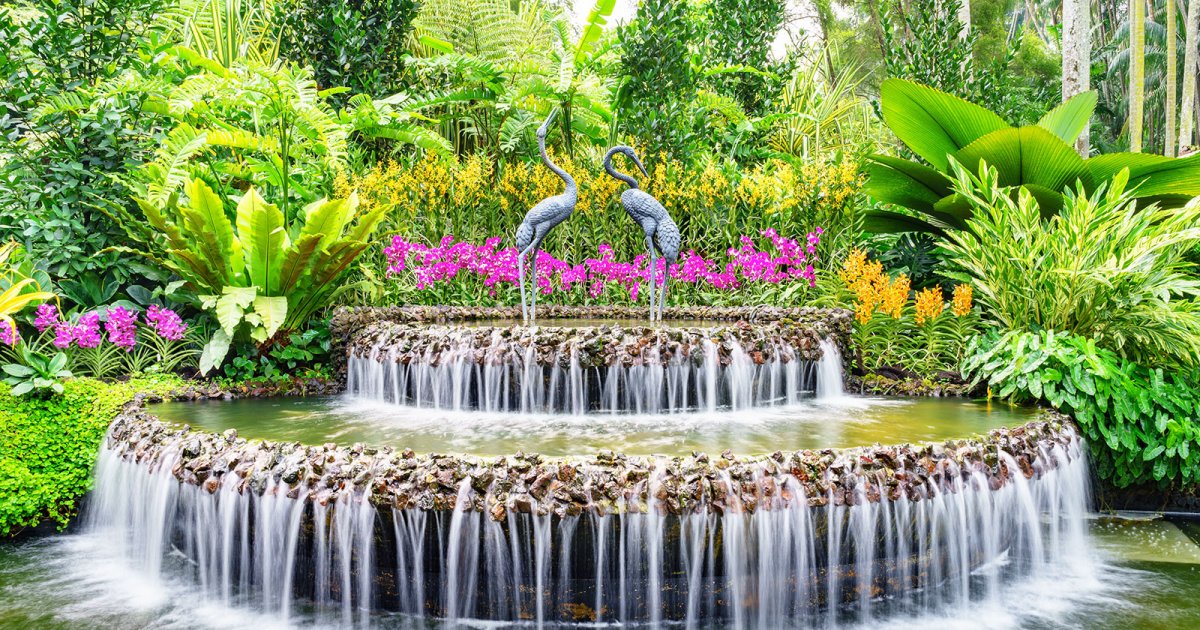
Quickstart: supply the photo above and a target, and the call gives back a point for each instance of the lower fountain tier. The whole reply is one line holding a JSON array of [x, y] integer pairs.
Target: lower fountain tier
[[592, 368], [768, 542]]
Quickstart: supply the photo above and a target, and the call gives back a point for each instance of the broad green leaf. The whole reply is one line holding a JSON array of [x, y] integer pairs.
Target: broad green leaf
[[260, 228], [327, 219], [58, 362], [214, 351], [298, 261], [932, 123], [272, 310], [18, 370], [231, 307], [890, 222], [889, 184], [1071, 117], [204, 219], [1025, 155], [1174, 180]]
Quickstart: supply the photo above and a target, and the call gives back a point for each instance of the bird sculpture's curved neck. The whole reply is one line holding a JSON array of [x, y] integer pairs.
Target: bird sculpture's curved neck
[[571, 190], [608, 167]]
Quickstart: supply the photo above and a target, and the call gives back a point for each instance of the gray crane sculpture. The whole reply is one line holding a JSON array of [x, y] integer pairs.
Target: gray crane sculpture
[[662, 235], [538, 222]]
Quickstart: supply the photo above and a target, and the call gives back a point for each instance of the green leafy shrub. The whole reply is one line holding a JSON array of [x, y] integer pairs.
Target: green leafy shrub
[[658, 82], [48, 447], [1140, 423], [1102, 268], [922, 43], [37, 374], [63, 145], [354, 44], [260, 272]]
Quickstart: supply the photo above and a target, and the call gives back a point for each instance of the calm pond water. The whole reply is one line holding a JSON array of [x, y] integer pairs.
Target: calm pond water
[[1141, 574], [849, 421]]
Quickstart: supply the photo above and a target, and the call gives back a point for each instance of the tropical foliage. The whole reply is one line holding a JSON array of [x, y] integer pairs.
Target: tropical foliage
[[262, 269], [1140, 423], [1103, 268], [942, 129]]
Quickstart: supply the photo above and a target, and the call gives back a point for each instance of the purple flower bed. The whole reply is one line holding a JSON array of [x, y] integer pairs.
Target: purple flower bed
[[120, 324], [774, 260]]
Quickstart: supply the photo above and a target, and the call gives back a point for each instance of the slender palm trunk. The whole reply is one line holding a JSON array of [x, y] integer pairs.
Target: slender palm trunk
[[1137, 72], [964, 18], [1077, 57], [1187, 118], [1172, 78]]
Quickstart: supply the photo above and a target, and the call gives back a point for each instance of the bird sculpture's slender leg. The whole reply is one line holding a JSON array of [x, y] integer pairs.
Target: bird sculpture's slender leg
[[533, 288], [653, 271], [521, 278], [662, 295]]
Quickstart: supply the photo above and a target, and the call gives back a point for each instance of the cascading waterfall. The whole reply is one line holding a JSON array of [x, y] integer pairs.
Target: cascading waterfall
[[774, 556], [830, 382], [463, 372], [267, 551]]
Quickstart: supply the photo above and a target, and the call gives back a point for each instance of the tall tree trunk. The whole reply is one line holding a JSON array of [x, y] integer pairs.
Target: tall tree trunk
[[1187, 118], [1172, 78], [964, 18], [1137, 72], [1077, 57]]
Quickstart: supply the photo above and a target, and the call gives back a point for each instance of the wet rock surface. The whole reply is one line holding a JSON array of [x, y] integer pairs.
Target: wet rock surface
[[604, 483]]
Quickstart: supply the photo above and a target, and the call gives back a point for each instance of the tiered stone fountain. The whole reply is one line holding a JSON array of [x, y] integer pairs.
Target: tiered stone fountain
[[792, 538]]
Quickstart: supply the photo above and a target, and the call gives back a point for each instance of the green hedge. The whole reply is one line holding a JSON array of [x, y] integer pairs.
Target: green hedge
[[48, 447], [1142, 425]]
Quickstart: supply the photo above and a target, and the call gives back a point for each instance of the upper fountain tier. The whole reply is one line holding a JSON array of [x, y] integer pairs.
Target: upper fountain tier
[[702, 358]]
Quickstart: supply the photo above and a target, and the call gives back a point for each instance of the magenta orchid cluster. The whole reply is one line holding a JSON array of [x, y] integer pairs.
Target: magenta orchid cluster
[[120, 326], [9, 335], [746, 264], [166, 323]]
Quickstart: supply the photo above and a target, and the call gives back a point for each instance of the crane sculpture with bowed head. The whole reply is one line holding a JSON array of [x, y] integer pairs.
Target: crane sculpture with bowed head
[[662, 235], [538, 222]]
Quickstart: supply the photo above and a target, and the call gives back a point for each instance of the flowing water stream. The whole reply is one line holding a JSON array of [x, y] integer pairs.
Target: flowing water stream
[[970, 551]]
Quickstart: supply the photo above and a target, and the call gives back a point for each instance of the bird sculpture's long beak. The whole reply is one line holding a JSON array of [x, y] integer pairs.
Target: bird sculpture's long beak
[[550, 118], [640, 167]]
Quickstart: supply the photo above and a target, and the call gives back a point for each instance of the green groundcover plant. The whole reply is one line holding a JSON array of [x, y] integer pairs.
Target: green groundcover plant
[[48, 447], [1140, 424]]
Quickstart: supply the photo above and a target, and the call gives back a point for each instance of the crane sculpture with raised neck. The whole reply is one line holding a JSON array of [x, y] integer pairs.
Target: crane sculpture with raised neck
[[662, 235], [538, 222]]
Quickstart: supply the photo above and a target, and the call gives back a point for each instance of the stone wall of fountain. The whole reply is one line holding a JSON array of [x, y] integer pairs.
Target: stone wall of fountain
[[709, 359], [791, 538]]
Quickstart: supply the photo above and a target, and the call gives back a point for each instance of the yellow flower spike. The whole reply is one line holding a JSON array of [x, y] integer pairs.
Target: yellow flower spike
[[895, 296], [962, 299], [929, 305]]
